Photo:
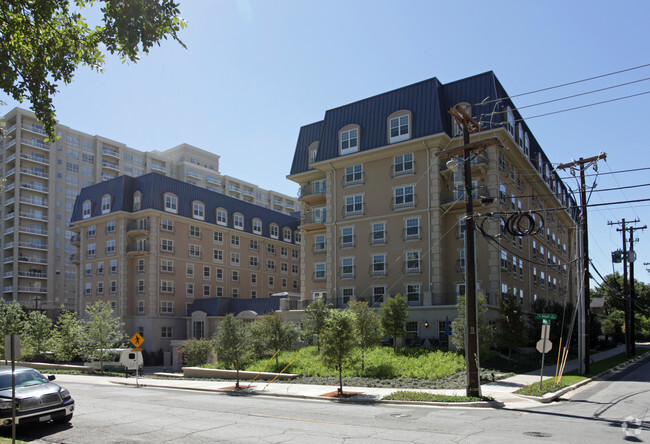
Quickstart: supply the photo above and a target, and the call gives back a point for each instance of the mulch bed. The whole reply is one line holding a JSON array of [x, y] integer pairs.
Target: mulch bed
[[336, 394]]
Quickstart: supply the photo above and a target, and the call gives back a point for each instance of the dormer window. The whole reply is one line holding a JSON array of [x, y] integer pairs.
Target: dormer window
[[257, 226], [349, 141], [238, 221], [275, 231], [222, 217], [286, 234], [86, 209], [171, 203], [510, 122], [399, 128], [198, 210], [313, 152], [106, 203], [137, 201]]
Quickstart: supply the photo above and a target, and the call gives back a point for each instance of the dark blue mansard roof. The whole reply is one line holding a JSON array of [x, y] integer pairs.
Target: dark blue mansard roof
[[153, 187]]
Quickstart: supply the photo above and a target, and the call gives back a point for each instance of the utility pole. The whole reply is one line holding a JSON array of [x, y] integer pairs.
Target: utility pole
[[632, 260], [583, 342], [463, 118]]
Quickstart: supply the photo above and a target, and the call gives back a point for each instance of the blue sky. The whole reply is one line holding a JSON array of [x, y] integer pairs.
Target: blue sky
[[255, 71]]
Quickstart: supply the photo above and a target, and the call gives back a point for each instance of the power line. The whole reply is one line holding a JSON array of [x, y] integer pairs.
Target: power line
[[610, 172], [564, 84]]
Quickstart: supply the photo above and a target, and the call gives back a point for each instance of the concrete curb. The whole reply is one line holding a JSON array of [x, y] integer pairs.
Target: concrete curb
[[549, 397], [373, 400]]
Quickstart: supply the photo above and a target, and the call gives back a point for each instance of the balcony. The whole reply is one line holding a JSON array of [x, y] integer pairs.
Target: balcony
[[110, 152], [110, 165], [33, 157], [313, 220], [158, 167], [36, 143], [481, 193], [75, 239], [137, 250], [32, 274], [33, 245], [34, 128], [35, 172], [74, 258], [32, 289], [34, 187], [9, 289], [34, 201], [137, 228], [313, 193], [32, 215]]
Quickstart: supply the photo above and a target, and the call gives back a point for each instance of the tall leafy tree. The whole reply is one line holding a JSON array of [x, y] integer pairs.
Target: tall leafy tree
[[196, 352], [367, 326], [316, 315], [38, 330], [279, 335], [394, 314], [511, 326], [44, 42], [12, 321], [66, 337], [485, 330], [232, 343], [102, 329], [339, 341]]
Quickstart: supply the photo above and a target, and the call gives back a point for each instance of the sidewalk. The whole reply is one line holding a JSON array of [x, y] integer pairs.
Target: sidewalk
[[501, 391]]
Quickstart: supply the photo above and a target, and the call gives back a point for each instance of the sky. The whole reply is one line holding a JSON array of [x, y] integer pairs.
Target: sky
[[254, 72]]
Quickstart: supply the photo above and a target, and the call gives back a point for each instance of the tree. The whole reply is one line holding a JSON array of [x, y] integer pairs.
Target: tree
[[316, 315], [12, 320], [339, 341], [367, 326], [66, 337], [44, 42], [102, 329], [279, 335], [196, 352], [233, 343], [511, 331], [485, 330], [38, 330], [394, 314]]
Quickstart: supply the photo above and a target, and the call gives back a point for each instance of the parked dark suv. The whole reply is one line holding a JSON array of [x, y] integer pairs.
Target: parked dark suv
[[38, 399]]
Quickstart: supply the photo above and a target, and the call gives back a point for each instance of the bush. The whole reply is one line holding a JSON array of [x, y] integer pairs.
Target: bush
[[196, 352]]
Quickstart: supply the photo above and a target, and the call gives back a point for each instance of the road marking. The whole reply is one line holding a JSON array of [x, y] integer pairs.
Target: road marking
[[296, 419]]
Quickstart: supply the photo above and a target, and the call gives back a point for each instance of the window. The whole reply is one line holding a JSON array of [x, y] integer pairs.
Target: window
[[234, 241], [378, 233], [412, 228], [297, 237], [270, 249], [217, 255], [353, 175], [294, 254], [319, 243], [378, 292], [379, 265], [171, 203], [189, 290], [403, 164], [254, 279], [206, 291], [354, 205], [234, 259], [167, 286], [189, 270], [106, 203], [222, 217], [88, 270], [219, 274], [349, 141], [504, 260], [100, 269], [275, 231], [284, 251], [137, 201], [257, 226], [286, 234], [139, 267], [167, 224], [167, 245], [198, 210], [100, 288], [113, 287], [313, 152], [510, 123], [218, 237], [413, 293], [140, 307], [271, 281], [235, 293], [86, 209], [347, 237], [92, 231], [413, 261], [253, 245], [166, 332], [235, 276], [90, 252], [347, 267], [319, 271], [195, 251], [294, 269], [284, 267], [195, 232], [347, 295], [140, 286], [110, 227], [270, 265], [399, 128], [110, 247], [404, 197], [461, 261], [253, 262], [238, 221]]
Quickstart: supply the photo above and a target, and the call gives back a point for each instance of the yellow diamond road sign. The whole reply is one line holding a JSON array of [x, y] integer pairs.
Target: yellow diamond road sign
[[137, 340]]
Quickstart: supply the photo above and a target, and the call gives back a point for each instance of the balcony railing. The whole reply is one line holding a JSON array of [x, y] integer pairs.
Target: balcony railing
[[35, 172], [36, 143], [312, 189]]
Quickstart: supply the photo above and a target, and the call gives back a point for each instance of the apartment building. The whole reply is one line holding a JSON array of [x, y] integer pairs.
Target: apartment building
[[382, 213], [153, 245], [42, 181]]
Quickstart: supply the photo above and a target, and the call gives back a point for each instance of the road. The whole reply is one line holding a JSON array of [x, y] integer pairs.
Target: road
[[108, 413]]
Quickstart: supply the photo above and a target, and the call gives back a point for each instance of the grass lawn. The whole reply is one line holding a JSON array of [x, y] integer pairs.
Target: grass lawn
[[549, 385], [601, 366], [405, 395]]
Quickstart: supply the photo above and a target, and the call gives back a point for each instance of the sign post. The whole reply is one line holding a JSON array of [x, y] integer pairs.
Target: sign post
[[544, 345], [137, 340]]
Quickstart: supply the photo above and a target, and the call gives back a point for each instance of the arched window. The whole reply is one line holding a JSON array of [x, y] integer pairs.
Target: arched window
[[257, 226], [222, 217], [399, 126], [238, 221], [275, 231], [349, 139], [171, 203], [198, 210], [107, 200], [137, 201], [86, 209]]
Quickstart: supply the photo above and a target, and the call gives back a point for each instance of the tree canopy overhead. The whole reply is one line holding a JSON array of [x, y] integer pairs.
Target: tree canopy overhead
[[43, 43]]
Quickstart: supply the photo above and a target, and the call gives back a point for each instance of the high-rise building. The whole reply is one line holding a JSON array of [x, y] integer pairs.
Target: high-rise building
[[42, 181], [152, 245], [382, 213]]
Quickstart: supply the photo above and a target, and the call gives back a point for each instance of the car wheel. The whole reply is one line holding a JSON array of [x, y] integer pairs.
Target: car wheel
[[63, 420]]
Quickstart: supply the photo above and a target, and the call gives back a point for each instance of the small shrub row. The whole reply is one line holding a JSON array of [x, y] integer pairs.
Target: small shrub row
[[405, 395]]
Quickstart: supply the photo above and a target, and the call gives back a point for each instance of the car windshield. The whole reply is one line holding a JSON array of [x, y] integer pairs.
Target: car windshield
[[23, 378]]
